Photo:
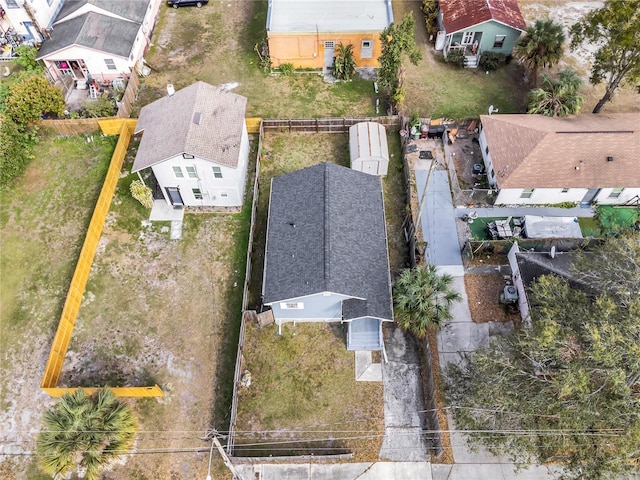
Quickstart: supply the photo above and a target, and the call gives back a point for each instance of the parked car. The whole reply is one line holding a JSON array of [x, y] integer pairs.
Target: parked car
[[186, 3]]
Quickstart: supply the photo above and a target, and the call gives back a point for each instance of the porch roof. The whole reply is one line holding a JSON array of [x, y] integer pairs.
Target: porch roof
[[459, 15]]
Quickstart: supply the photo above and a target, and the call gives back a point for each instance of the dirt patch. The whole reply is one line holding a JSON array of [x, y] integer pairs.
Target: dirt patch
[[483, 291]]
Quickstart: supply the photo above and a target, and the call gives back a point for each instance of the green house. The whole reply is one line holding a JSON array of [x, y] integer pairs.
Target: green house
[[477, 26]]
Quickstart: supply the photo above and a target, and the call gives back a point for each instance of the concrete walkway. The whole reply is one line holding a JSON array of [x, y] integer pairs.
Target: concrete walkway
[[337, 471], [403, 400]]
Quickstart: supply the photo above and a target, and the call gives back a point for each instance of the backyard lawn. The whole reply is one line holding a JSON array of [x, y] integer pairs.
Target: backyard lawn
[[311, 361]]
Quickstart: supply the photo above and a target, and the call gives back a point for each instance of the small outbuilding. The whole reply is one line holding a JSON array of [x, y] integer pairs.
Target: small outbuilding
[[368, 148]]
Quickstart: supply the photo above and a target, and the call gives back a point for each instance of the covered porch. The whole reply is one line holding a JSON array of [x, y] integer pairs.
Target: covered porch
[[466, 42]]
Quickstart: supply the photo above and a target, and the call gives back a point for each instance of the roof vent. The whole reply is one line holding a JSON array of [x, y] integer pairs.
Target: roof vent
[[196, 118], [609, 159]]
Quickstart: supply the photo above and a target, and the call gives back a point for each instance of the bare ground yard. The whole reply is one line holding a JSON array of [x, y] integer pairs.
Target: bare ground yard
[[155, 310]]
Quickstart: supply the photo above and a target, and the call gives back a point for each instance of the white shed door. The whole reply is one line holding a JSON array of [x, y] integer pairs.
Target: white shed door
[[370, 167]]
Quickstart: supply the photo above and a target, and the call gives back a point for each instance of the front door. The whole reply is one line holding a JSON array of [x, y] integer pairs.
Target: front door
[[174, 197], [589, 196], [329, 48], [467, 38]]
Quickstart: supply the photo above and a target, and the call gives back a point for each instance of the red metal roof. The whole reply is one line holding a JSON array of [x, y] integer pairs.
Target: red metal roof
[[461, 14]]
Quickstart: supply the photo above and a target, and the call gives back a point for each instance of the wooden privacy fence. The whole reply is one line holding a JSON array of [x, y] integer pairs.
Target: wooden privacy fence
[[78, 284], [323, 125], [72, 126], [129, 97], [245, 293]]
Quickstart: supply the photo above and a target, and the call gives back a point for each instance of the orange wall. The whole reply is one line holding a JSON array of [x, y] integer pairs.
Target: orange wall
[[306, 50]]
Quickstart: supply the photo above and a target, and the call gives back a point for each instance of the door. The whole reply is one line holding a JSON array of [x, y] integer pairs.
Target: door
[[467, 38], [329, 48], [174, 197], [589, 196]]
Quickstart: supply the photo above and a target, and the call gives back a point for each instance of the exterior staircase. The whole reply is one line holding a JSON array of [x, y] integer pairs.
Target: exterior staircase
[[470, 61]]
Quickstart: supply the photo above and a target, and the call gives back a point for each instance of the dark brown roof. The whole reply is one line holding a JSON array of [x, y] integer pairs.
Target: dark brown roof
[[534, 151], [200, 120], [461, 14]]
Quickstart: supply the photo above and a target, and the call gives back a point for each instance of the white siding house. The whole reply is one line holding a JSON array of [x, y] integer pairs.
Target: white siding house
[[30, 19], [99, 39], [195, 142], [584, 159]]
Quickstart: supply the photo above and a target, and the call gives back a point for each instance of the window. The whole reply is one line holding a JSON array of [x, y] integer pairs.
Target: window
[[291, 305], [467, 38], [187, 156], [565, 190], [329, 45], [486, 150], [367, 49], [217, 172], [197, 193], [499, 41], [177, 171], [191, 172], [527, 193], [224, 194], [616, 192], [493, 173], [111, 65], [12, 4]]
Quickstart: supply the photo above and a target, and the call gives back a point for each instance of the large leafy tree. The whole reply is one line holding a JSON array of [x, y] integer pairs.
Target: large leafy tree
[[85, 434], [31, 96], [615, 29], [16, 150], [557, 97], [397, 40], [566, 390], [423, 299], [540, 47]]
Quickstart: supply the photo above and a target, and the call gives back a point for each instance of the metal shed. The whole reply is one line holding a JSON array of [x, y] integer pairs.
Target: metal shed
[[368, 148]]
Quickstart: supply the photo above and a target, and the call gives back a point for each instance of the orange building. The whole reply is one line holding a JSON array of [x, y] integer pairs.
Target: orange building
[[306, 32]]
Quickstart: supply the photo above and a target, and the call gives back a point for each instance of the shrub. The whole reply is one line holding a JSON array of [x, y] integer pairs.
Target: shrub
[[103, 106], [16, 150], [286, 69], [456, 57], [142, 193], [344, 66], [490, 61]]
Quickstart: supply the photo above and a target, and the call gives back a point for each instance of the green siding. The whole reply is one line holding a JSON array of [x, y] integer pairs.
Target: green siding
[[487, 33]]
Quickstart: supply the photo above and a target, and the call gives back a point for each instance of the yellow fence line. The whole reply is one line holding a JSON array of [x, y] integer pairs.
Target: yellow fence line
[[113, 126], [78, 284], [253, 124], [154, 391]]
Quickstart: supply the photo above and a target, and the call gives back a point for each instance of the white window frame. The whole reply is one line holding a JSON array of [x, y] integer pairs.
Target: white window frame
[[197, 193], [217, 172], [565, 190], [110, 63], [12, 4], [366, 51], [291, 305], [191, 171], [467, 38], [177, 171], [616, 192], [224, 194], [527, 193], [498, 41]]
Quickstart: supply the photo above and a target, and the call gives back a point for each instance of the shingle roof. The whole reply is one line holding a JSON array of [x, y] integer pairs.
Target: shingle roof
[[533, 265], [92, 30], [200, 120], [326, 233], [461, 14], [534, 151], [328, 15], [133, 10]]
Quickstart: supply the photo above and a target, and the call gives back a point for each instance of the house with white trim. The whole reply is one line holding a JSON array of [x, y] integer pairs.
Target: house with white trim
[[194, 149], [585, 159]]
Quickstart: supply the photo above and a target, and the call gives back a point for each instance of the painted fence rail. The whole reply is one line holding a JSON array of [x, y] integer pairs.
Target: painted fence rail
[[78, 284], [323, 125]]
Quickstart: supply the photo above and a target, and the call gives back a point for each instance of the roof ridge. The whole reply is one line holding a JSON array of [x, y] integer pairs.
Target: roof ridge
[[327, 228]]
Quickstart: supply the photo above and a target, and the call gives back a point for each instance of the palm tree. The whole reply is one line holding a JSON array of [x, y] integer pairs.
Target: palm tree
[[557, 97], [423, 299], [86, 434], [541, 46], [344, 66]]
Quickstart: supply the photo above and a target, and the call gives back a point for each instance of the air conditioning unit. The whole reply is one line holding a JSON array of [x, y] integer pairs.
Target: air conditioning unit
[[509, 295]]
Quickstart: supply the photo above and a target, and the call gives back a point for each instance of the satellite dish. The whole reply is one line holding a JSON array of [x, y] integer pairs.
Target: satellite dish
[[492, 109]]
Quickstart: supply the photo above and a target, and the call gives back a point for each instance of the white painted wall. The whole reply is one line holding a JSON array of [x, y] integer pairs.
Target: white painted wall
[[513, 196], [94, 61], [486, 158], [227, 191], [43, 12], [319, 307]]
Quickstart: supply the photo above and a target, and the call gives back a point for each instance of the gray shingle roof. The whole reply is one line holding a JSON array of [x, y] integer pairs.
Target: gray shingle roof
[[133, 10], [326, 232], [170, 129], [95, 31]]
